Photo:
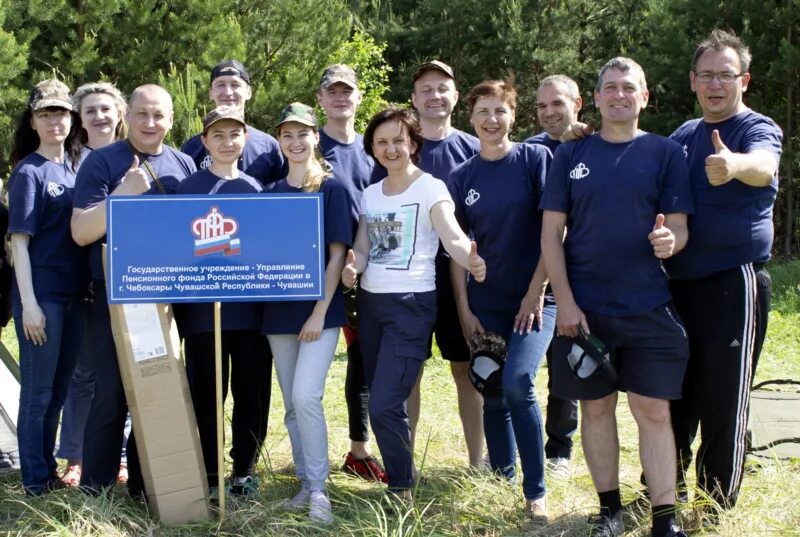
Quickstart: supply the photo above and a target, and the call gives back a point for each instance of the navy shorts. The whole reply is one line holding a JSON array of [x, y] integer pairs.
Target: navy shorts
[[650, 353], [447, 330]]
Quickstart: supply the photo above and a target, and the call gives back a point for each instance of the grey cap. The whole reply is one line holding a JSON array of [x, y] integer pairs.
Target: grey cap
[[434, 65], [48, 93], [235, 113], [338, 72]]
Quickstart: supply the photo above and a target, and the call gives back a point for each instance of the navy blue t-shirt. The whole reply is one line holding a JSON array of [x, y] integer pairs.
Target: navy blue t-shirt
[[732, 224], [496, 201], [290, 316], [40, 205], [352, 166], [102, 172], [198, 318], [439, 158], [611, 193], [261, 157], [544, 139]]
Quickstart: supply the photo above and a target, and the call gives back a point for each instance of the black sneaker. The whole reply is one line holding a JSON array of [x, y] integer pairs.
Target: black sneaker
[[606, 526]]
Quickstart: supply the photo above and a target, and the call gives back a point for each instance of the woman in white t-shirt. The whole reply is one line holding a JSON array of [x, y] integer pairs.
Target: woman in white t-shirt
[[402, 219]]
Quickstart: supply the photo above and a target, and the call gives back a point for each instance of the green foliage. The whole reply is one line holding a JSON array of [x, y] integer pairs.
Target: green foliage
[[183, 88]]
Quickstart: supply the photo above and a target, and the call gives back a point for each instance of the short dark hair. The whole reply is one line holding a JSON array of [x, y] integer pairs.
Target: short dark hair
[[407, 118], [719, 40], [504, 89]]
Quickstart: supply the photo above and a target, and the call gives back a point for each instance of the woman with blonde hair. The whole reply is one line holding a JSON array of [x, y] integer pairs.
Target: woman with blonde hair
[[303, 335], [101, 109]]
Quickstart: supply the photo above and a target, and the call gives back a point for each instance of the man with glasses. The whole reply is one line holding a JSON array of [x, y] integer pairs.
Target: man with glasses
[[718, 281]]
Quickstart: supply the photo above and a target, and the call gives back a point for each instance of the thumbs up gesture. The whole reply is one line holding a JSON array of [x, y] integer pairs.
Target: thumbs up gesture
[[720, 164], [477, 266], [349, 272], [134, 182], [662, 239]]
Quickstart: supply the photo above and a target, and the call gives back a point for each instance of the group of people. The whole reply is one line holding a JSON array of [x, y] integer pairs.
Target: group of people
[[656, 246]]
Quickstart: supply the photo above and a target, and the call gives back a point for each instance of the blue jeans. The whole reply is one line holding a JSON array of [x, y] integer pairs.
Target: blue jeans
[[513, 421], [45, 372]]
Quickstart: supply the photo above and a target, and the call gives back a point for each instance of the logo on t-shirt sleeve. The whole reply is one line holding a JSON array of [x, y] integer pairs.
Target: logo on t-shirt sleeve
[[579, 172], [392, 236]]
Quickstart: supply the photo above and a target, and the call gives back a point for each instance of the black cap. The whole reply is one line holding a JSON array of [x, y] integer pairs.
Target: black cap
[[434, 65], [230, 68], [589, 359]]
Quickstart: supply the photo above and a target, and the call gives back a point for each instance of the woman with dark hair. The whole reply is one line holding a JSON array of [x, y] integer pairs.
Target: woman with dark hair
[[101, 108], [402, 219], [496, 196], [50, 275]]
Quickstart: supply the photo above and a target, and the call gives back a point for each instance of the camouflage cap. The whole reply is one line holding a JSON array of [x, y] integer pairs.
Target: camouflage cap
[[235, 113], [299, 113], [48, 93], [230, 68], [434, 65], [338, 72]]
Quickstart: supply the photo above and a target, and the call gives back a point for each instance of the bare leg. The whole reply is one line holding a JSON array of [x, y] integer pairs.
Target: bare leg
[[413, 404], [470, 409], [600, 441], [656, 446]]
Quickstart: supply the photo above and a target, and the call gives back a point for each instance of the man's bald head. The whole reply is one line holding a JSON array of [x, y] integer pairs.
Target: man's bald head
[[151, 92]]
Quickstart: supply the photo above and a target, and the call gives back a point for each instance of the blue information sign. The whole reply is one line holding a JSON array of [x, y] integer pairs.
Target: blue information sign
[[222, 248]]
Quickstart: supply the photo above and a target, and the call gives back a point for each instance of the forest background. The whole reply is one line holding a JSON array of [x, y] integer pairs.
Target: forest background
[[286, 44]]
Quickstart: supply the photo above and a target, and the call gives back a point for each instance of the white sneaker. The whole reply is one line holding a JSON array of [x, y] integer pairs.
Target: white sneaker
[[320, 508], [300, 500], [559, 467]]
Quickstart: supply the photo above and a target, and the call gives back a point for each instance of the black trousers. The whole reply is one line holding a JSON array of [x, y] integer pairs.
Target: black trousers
[[725, 315], [561, 419], [246, 355], [356, 391], [102, 440]]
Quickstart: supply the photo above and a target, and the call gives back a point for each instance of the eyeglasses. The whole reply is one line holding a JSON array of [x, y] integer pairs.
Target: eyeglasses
[[726, 77]]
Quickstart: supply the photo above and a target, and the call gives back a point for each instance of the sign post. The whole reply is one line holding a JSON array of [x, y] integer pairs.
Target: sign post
[[221, 248]]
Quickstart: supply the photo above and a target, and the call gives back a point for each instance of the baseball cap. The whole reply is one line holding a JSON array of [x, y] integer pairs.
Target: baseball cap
[[487, 357], [300, 113], [434, 65], [338, 72], [223, 112], [50, 92], [589, 358], [230, 68]]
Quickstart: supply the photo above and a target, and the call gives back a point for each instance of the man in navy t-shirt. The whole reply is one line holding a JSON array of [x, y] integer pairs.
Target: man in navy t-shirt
[[623, 195], [142, 164], [261, 158], [434, 97], [343, 148], [718, 282], [558, 101]]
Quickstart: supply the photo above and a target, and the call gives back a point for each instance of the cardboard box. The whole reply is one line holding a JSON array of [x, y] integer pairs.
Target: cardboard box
[[154, 377]]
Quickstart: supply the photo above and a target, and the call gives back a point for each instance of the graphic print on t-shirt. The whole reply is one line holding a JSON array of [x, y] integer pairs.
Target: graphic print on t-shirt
[[392, 236]]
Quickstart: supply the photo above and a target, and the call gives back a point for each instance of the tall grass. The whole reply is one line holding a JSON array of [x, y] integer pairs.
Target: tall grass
[[450, 499]]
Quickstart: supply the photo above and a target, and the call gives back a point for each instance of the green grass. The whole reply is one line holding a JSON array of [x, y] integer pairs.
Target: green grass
[[451, 499]]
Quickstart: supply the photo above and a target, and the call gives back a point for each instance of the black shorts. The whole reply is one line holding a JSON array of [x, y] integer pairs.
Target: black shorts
[[447, 329], [649, 352]]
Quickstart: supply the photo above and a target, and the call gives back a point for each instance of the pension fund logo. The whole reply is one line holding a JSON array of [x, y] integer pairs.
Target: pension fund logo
[[579, 172], [214, 232]]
